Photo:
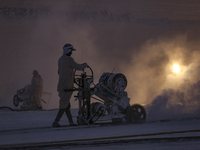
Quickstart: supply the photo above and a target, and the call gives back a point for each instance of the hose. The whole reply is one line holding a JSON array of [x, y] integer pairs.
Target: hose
[[9, 108], [6, 107]]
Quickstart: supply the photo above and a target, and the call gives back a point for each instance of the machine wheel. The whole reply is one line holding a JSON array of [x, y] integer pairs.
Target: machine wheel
[[94, 107], [136, 113], [80, 122], [16, 100], [84, 73], [80, 119]]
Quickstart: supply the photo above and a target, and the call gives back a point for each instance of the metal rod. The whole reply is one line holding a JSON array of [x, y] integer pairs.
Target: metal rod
[[98, 99]]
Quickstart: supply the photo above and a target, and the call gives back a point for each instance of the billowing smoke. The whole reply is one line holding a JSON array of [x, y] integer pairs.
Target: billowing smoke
[[152, 81], [107, 38], [32, 38], [176, 104]]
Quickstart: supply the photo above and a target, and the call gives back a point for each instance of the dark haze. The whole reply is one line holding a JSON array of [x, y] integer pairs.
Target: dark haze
[[142, 40]]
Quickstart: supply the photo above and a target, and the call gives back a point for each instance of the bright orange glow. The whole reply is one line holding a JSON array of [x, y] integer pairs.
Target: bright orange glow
[[176, 68]]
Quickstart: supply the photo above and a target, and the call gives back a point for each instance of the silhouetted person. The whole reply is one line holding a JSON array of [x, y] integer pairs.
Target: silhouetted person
[[66, 65], [36, 90]]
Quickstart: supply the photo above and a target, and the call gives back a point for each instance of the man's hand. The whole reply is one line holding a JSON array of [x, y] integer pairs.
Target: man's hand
[[85, 65]]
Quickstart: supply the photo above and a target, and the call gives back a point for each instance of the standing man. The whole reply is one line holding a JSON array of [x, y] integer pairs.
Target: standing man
[[36, 90], [66, 65]]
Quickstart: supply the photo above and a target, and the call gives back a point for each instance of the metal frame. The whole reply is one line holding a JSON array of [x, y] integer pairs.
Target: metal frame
[[116, 105]]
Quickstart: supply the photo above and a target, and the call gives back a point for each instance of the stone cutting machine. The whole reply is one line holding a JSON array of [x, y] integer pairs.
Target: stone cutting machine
[[105, 99]]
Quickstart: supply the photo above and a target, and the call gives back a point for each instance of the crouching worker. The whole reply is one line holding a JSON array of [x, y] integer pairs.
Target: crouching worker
[[66, 65]]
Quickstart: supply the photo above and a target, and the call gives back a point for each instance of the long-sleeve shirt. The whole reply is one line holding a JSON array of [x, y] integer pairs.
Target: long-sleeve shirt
[[66, 65]]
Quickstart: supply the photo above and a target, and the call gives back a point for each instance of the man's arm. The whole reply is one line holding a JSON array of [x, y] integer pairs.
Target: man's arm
[[77, 66]]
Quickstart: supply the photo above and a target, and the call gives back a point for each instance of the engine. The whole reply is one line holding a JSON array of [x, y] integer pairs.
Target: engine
[[111, 88], [113, 103]]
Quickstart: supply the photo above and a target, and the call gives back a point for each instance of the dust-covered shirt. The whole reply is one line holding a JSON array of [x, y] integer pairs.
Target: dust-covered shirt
[[66, 65]]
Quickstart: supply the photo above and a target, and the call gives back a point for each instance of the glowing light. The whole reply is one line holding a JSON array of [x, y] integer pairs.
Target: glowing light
[[176, 68]]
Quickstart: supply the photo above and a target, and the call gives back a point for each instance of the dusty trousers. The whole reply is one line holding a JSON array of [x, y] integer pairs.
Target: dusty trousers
[[68, 113], [36, 96]]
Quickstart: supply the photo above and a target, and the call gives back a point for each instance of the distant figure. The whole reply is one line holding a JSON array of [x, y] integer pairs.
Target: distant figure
[[36, 90], [66, 66]]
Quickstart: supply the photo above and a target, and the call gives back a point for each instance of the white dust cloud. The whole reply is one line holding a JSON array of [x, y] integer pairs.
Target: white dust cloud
[[33, 37], [152, 82], [35, 43]]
